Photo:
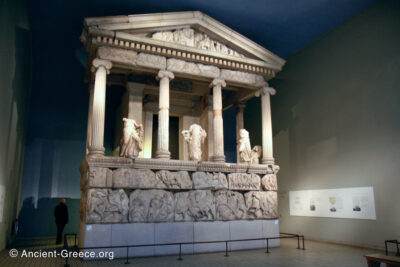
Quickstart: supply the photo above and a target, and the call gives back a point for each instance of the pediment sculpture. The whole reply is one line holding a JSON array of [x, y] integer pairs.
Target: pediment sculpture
[[190, 37], [246, 154], [195, 137], [132, 139]]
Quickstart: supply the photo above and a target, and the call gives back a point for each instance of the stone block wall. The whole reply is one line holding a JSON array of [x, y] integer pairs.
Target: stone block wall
[[130, 195]]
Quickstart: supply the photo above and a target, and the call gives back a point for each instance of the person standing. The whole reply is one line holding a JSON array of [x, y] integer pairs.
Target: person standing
[[61, 214]]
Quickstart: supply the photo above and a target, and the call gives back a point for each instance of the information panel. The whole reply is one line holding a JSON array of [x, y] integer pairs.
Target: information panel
[[354, 203]]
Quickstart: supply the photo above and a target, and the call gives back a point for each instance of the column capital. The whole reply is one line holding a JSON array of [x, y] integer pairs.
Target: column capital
[[218, 82], [267, 90], [133, 87], [165, 74], [240, 106], [96, 63]]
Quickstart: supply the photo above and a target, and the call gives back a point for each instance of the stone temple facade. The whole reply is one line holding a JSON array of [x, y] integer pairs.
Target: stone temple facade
[[188, 65]]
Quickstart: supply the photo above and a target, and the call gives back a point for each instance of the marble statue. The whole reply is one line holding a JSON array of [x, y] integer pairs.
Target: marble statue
[[132, 139], [246, 154], [195, 138]]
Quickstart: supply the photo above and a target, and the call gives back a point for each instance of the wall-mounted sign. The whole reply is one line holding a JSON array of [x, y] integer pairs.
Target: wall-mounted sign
[[354, 202]]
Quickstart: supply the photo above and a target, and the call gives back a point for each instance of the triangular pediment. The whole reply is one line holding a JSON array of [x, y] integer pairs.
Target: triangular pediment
[[191, 38], [187, 30]]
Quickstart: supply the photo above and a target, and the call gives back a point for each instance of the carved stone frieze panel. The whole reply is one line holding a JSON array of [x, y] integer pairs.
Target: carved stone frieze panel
[[97, 177], [242, 77], [132, 58], [174, 180], [107, 206], [136, 178], [151, 206], [244, 181], [269, 182], [151, 61], [206, 180], [118, 55], [195, 205], [192, 38], [181, 66], [229, 205], [261, 205]]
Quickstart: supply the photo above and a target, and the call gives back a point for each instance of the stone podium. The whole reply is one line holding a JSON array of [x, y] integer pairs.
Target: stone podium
[[201, 67]]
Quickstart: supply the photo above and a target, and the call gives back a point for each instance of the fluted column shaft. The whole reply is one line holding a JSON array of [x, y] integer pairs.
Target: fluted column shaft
[[218, 124], [101, 69], [239, 125], [163, 115], [89, 123], [267, 142]]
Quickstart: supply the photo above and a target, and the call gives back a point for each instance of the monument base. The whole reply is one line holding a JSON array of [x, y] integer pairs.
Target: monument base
[[107, 235]]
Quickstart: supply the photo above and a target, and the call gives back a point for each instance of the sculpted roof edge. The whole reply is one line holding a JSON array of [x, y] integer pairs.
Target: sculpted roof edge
[[189, 28]]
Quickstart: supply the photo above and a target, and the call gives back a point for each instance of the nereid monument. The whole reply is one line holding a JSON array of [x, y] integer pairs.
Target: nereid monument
[[189, 65]]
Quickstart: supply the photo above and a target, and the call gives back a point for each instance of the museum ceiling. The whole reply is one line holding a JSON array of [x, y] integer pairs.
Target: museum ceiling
[[282, 27]]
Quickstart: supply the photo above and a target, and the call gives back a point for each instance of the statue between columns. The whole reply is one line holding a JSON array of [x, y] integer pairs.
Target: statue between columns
[[132, 139], [195, 137], [246, 154]]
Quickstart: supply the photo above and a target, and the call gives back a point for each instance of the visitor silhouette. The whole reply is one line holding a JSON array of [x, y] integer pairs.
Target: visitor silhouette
[[61, 214]]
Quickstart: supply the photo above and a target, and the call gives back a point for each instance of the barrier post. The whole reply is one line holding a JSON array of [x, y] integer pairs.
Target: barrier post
[[127, 254], [180, 252], [298, 242]]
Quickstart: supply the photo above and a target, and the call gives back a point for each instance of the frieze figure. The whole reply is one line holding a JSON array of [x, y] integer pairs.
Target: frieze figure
[[107, 206], [132, 139], [97, 204]]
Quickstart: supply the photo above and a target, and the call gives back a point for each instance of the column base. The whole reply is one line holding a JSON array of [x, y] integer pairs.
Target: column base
[[96, 151], [268, 161], [163, 155], [220, 158]]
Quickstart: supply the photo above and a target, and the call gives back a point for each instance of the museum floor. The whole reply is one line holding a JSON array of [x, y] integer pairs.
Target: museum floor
[[317, 254]]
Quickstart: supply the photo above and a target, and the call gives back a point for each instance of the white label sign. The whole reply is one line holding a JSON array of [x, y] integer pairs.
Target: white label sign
[[354, 202]]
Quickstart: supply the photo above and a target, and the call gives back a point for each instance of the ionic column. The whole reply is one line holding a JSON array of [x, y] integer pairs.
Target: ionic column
[[148, 133], [163, 115], [267, 157], [218, 125], [89, 123], [206, 122], [101, 69], [133, 104], [133, 101], [239, 125]]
